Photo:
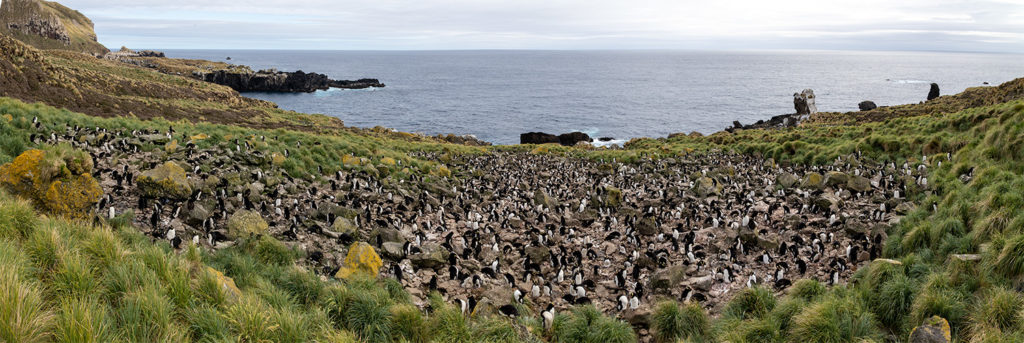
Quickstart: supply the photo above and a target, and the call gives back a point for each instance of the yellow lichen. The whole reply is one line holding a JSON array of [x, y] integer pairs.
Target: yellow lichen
[[388, 161], [350, 160], [171, 146], [227, 284], [57, 180], [199, 137], [167, 180], [245, 222], [276, 159], [361, 258]]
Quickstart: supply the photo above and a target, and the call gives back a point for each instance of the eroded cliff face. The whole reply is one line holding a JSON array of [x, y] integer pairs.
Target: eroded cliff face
[[49, 25]]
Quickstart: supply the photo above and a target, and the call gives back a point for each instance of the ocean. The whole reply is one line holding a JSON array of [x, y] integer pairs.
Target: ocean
[[496, 95]]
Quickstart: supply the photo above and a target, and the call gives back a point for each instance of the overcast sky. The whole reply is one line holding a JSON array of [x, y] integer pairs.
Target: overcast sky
[[944, 25]]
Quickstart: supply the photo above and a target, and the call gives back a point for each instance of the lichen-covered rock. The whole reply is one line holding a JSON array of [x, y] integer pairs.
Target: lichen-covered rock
[[167, 180], [360, 259], [706, 186], [834, 178], [786, 180], [933, 330], [433, 256], [612, 196], [58, 180], [344, 225], [813, 180], [277, 159], [245, 222], [859, 184], [227, 285], [542, 198]]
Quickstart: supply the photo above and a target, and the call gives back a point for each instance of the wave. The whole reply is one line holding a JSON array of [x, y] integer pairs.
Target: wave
[[907, 81]]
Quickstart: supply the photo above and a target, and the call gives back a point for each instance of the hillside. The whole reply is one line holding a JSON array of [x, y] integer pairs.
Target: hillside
[[49, 25]]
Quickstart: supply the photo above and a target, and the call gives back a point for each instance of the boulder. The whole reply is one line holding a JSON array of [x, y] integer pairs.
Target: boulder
[[538, 253], [612, 197], [244, 222], [804, 102], [647, 226], [537, 138], [570, 139], [859, 184], [393, 250], [432, 256], [542, 198], [386, 234], [933, 92], [197, 215], [167, 180], [227, 284], [706, 186], [666, 279], [361, 259], [933, 330], [786, 180], [344, 225], [834, 178], [58, 180], [867, 105], [812, 180]]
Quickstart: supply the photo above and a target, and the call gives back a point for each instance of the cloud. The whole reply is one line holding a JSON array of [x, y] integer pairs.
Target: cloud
[[957, 25]]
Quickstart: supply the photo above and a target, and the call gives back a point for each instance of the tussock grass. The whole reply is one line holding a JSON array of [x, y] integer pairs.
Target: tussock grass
[[835, 319], [586, 324], [751, 303], [670, 322]]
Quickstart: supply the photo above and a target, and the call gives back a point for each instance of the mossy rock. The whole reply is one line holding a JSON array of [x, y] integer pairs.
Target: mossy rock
[[813, 180], [245, 222], [612, 196], [706, 186], [834, 178], [227, 284], [933, 330], [345, 226], [542, 198], [167, 180], [277, 159], [859, 184], [786, 180], [171, 146], [58, 180], [362, 259]]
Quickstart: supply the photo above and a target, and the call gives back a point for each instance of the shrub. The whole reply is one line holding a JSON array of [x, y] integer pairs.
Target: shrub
[[834, 320], [784, 312], [942, 302], [74, 277], [409, 324], [749, 303], [806, 289], [206, 324], [251, 320], [1010, 261]]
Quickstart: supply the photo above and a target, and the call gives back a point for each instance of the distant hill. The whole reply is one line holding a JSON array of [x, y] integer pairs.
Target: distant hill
[[49, 25]]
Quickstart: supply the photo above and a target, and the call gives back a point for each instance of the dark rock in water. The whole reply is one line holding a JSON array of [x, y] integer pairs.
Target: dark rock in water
[[537, 138], [867, 105], [606, 139], [804, 102], [277, 81], [934, 92], [570, 139], [736, 124]]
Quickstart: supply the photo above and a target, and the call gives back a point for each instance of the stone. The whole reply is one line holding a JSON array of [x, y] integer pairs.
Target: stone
[[813, 180], [702, 283], [933, 92], [433, 256], [859, 184], [244, 222], [538, 138], [804, 102], [538, 254], [58, 180], [867, 105], [542, 198], [393, 250], [834, 178], [227, 284], [706, 186], [386, 234], [666, 279], [361, 259], [197, 215], [167, 180], [933, 330], [786, 180], [571, 139], [344, 225], [612, 197], [648, 226]]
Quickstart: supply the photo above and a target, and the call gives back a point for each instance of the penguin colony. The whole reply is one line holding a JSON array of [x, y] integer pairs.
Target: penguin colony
[[525, 228]]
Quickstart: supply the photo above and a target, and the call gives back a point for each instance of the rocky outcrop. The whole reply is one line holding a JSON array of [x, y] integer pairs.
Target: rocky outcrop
[[566, 139], [361, 259], [867, 105], [58, 180], [804, 102], [934, 91], [570, 139], [278, 81], [49, 25], [167, 180], [537, 138]]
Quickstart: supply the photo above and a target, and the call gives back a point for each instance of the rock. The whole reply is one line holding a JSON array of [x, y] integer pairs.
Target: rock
[[701, 283], [155, 138], [859, 184], [706, 186], [386, 234], [867, 105], [638, 318], [570, 139], [227, 284], [244, 80], [813, 180], [612, 197], [49, 25], [736, 124], [58, 180], [433, 256], [361, 259], [804, 102], [905, 207], [542, 198], [344, 225], [666, 279], [965, 257], [647, 226], [537, 138], [933, 330], [786, 180], [393, 250], [538, 253], [934, 91], [167, 180], [834, 178], [244, 222], [197, 215]]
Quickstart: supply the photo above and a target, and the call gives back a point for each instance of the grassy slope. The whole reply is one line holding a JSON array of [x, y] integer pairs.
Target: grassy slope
[[79, 28]]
